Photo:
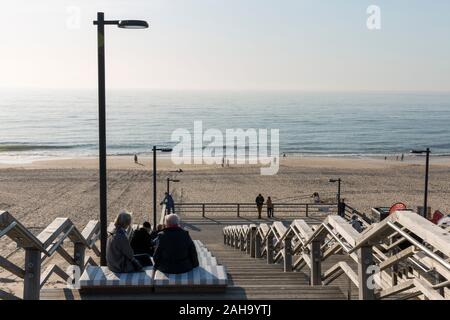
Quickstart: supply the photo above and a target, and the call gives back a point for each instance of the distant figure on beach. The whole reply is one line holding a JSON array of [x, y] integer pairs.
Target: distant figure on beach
[[119, 254], [170, 204], [142, 241], [136, 158], [356, 224], [316, 197], [396, 158], [176, 252], [223, 162], [385, 158], [259, 204], [284, 155], [403, 157], [269, 205]]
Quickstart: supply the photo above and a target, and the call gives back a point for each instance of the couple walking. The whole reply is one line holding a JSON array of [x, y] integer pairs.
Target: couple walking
[[259, 205]]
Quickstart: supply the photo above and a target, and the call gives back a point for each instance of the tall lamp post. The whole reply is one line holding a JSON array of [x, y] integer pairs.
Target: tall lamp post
[[341, 207], [339, 188], [100, 23], [427, 168], [155, 149], [168, 183]]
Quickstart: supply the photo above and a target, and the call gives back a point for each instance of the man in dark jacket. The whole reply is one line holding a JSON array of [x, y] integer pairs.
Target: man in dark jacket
[[259, 204], [169, 202], [142, 240], [176, 251]]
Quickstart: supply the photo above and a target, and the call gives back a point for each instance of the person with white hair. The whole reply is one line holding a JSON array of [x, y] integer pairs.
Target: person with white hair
[[119, 254], [175, 252]]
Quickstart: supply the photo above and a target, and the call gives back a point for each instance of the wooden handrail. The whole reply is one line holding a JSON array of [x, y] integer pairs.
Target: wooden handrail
[[49, 241], [307, 245]]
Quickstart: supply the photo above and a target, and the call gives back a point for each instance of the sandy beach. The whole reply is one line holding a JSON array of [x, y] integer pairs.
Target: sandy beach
[[38, 192]]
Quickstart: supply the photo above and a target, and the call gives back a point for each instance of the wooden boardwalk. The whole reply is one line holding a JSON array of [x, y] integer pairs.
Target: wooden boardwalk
[[249, 278]]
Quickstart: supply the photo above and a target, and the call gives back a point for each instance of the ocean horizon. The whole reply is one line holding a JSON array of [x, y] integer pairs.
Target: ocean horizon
[[41, 124]]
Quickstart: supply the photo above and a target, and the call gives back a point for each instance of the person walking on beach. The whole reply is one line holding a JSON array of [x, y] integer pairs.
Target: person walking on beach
[[269, 205], [259, 204], [135, 158], [170, 204], [403, 157]]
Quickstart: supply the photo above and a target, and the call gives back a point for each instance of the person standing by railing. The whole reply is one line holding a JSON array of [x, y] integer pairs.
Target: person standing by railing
[[259, 204], [170, 204], [269, 205]]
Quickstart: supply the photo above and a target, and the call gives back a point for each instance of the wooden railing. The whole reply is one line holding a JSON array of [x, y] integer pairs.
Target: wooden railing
[[404, 254], [363, 217], [249, 209], [45, 244]]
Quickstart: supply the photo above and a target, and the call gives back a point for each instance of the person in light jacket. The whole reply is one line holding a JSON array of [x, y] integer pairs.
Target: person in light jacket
[[119, 254]]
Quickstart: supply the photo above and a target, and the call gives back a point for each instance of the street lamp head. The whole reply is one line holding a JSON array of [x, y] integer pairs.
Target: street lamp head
[[166, 149], [420, 151], [133, 24]]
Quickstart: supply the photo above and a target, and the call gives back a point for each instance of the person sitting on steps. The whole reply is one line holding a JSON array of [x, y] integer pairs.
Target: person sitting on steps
[[176, 252], [119, 254]]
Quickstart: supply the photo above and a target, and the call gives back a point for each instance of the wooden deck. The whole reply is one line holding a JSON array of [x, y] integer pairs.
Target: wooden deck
[[249, 278]]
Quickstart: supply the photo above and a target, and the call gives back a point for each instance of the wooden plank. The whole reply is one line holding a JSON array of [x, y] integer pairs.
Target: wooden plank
[[19, 234], [316, 262], [344, 229], [53, 268], [304, 229], [11, 267], [287, 254], [396, 258], [432, 264], [269, 249], [7, 296], [337, 270], [90, 262], [429, 232], [365, 258], [66, 255], [279, 229], [53, 230], [8, 228], [403, 286], [332, 274], [92, 227], [427, 290], [32, 285]]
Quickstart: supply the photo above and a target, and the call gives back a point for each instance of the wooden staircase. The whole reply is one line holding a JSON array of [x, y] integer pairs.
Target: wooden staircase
[[255, 279]]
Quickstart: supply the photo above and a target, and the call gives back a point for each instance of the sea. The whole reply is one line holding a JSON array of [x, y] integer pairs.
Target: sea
[[46, 124]]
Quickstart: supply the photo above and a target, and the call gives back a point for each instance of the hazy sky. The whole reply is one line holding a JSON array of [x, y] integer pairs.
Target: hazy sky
[[229, 44]]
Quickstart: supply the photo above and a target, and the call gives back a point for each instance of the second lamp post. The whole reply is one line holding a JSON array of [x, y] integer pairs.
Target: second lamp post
[[155, 149]]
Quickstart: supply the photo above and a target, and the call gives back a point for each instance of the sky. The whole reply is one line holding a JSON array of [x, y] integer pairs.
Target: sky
[[307, 45]]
